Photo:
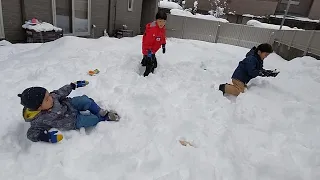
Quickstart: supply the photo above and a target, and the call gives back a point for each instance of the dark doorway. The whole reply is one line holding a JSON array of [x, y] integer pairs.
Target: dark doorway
[[148, 13]]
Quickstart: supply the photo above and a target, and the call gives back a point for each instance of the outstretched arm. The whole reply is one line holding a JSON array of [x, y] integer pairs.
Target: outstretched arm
[[64, 91]]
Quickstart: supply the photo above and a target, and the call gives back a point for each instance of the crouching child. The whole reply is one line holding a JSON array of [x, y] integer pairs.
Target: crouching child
[[44, 111], [249, 68]]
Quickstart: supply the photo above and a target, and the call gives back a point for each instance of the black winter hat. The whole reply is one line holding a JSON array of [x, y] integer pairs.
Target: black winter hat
[[161, 15], [32, 97]]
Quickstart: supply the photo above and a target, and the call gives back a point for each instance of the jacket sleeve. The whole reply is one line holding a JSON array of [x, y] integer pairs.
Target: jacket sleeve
[[251, 67], [164, 38], [64, 91], [149, 40], [36, 134]]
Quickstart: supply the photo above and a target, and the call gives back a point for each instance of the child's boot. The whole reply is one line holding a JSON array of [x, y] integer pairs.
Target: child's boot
[[222, 88], [113, 116]]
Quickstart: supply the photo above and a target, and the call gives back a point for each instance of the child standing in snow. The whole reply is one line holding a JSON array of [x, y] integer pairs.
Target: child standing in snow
[[153, 38], [249, 68], [46, 110]]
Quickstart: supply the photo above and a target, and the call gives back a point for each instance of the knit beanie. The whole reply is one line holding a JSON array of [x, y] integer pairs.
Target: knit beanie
[[32, 97]]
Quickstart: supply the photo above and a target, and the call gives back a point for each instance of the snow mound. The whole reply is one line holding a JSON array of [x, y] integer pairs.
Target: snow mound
[[259, 24], [186, 13], [5, 43], [169, 5], [269, 132], [41, 27]]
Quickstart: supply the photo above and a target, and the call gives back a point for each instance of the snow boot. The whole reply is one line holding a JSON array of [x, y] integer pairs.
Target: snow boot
[[103, 114], [112, 116], [222, 88]]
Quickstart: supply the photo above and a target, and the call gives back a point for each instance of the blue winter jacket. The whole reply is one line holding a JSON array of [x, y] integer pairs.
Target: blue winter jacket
[[249, 67]]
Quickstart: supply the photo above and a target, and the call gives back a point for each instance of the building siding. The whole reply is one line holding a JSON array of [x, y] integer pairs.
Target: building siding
[[130, 18], [254, 7], [99, 16], [149, 10], [302, 9], [12, 20], [315, 10], [40, 9]]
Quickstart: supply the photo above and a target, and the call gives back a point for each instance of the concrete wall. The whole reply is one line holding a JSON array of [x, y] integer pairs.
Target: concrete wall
[[299, 10], [12, 20], [315, 10]]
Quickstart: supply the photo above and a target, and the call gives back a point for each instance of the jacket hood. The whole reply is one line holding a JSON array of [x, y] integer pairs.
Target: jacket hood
[[252, 52], [29, 115]]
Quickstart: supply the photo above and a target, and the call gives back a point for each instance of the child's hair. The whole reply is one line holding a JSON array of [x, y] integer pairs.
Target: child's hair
[[161, 15], [265, 47]]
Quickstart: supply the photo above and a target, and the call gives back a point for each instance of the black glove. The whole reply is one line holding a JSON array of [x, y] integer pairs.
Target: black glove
[[268, 73], [263, 73], [163, 48]]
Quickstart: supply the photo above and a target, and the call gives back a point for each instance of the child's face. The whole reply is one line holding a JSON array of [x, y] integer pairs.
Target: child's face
[[47, 102], [263, 55], [161, 22]]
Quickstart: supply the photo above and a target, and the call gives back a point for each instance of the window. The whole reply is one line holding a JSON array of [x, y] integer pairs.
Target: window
[[130, 5], [73, 16], [294, 2]]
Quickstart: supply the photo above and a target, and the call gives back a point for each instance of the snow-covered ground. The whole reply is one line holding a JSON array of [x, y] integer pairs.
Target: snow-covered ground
[[270, 132], [186, 13], [259, 24], [169, 5]]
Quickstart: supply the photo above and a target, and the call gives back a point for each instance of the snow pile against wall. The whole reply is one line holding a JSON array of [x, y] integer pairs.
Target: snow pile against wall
[[259, 24], [186, 13], [169, 5]]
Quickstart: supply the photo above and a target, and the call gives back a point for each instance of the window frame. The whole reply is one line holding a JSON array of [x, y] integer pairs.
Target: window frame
[[132, 2], [54, 15], [2, 34], [293, 2]]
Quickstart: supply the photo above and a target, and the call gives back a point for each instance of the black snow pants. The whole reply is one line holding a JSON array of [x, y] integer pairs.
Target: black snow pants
[[150, 63]]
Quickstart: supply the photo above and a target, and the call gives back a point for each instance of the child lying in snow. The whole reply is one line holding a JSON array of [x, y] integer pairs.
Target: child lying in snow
[[46, 110]]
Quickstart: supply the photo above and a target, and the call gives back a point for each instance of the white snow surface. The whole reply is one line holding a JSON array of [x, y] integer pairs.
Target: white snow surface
[[169, 5], [41, 27], [252, 16], [186, 13], [259, 24], [269, 132]]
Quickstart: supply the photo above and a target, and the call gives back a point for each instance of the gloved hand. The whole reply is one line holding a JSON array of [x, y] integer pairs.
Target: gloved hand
[[163, 48], [54, 137], [268, 73], [51, 136], [78, 84], [149, 53]]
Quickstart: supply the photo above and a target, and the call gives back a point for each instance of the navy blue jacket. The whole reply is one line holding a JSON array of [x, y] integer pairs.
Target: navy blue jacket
[[249, 67]]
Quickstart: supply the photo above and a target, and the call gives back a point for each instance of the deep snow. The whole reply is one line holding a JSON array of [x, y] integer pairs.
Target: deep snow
[[270, 132]]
